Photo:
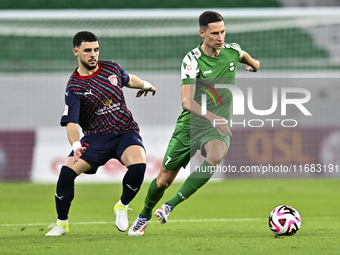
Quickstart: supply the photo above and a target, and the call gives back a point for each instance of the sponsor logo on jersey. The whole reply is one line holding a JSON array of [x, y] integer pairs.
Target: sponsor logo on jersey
[[197, 52], [188, 69], [108, 109], [113, 79], [88, 93], [107, 101]]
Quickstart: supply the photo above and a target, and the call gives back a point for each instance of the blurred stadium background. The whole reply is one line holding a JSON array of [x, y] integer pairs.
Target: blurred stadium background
[[297, 42]]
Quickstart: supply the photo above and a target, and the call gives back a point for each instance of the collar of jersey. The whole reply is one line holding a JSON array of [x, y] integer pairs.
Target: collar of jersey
[[88, 76], [202, 52]]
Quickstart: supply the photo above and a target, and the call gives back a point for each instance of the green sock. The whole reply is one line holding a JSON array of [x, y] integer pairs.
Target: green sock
[[152, 198], [193, 182]]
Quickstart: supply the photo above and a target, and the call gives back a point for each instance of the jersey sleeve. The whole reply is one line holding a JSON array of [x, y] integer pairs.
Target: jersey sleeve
[[125, 77], [72, 108], [189, 69], [236, 47]]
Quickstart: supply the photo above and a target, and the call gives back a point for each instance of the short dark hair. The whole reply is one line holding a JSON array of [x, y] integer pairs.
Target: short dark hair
[[84, 36], [209, 17]]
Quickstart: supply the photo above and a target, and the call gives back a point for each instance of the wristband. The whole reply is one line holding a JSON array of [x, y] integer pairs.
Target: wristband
[[147, 85], [76, 145]]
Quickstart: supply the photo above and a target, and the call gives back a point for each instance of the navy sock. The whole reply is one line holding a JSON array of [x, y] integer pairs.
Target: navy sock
[[65, 192], [132, 181]]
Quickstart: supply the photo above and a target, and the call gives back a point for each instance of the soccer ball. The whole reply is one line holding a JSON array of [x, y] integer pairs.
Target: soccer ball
[[284, 220]]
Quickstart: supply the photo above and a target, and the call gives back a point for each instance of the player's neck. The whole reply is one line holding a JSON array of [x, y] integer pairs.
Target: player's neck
[[210, 51], [83, 71]]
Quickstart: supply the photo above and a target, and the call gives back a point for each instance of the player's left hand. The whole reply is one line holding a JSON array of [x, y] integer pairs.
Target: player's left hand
[[255, 66], [145, 92], [223, 128]]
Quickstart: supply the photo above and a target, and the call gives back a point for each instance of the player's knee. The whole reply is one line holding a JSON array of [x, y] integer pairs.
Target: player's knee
[[165, 178], [214, 159], [163, 183]]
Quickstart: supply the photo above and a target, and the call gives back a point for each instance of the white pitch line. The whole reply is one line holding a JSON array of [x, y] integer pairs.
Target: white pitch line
[[214, 220], [172, 221], [112, 222]]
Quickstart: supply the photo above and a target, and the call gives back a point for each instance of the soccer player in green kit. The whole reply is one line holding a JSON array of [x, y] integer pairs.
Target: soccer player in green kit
[[207, 131]]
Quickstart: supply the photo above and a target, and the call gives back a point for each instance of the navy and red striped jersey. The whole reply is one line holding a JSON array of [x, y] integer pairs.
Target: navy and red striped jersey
[[96, 102]]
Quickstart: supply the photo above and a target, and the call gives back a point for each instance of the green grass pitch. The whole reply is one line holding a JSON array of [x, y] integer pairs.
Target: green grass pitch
[[224, 217]]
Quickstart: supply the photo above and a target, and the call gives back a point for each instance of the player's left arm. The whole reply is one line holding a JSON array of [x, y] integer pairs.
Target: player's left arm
[[143, 86], [252, 65]]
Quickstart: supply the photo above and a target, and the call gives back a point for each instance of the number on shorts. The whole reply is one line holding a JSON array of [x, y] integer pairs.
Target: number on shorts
[[167, 160]]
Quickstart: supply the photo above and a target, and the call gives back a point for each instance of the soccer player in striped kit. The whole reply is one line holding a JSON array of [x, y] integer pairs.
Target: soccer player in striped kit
[[95, 101], [212, 62]]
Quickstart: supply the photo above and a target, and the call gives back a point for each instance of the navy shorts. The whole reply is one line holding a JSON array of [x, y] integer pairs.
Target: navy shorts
[[100, 148]]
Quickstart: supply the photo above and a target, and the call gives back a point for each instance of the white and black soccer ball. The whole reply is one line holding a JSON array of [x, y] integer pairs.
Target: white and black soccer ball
[[284, 220]]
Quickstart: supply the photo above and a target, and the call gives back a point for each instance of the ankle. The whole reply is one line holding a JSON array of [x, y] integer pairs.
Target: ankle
[[62, 221]]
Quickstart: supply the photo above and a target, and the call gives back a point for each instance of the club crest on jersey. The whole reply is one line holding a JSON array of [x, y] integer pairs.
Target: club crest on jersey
[[231, 66], [107, 101], [113, 79]]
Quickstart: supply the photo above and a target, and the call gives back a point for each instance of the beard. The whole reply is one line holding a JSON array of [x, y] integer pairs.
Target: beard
[[89, 66]]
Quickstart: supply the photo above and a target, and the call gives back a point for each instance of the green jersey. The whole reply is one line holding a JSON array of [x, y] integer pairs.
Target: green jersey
[[205, 72]]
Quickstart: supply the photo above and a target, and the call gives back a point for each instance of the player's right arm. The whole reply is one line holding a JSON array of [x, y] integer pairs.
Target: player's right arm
[[74, 139], [143, 86], [70, 119]]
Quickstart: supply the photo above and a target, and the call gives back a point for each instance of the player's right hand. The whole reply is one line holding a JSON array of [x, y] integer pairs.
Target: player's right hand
[[145, 92]]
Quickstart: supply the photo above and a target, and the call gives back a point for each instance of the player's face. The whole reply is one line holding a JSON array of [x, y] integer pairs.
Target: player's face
[[213, 37], [88, 53]]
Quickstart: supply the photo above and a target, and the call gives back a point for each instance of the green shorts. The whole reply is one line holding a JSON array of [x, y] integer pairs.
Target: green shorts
[[184, 144]]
